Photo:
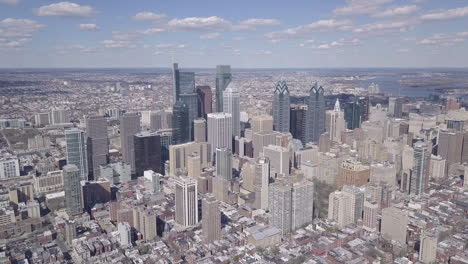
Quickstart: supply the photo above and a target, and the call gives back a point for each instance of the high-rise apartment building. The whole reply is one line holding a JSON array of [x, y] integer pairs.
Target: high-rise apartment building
[[75, 141], [420, 174], [125, 234], [9, 168], [211, 219], [281, 105], [428, 247], [231, 105], [97, 144], [220, 130], [223, 79], [59, 116], [186, 201], [315, 115], [129, 126], [179, 156], [72, 187], [261, 182], [394, 224], [147, 152], [346, 206], [369, 221]]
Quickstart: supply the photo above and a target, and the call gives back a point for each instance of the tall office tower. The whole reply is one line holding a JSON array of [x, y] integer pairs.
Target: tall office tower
[[42, 119], [346, 206], [191, 100], [147, 152], [262, 123], [224, 163], [166, 141], [335, 123], [182, 82], [193, 166], [9, 168], [220, 130], [281, 104], [147, 223], [395, 107], [179, 154], [125, 234], [186, 201], [428, 247], [261, 182], [297, 124], [394, 224], [156, 120], [72, 187], [70, 232], [59, 116], [223, 79], [76, 151], [290, 204], [371, 210], [211, 219], [315, 115], [450, 146], [205, 101], [180, 123], [129, 126], [175, 83], [352, 172], [97, 144], [231, 105], [279, 160], [437, 167], [199, 130], [324, 142], [420, 175], [365, 103]]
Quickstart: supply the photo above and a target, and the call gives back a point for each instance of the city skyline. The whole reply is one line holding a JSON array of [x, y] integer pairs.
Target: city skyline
[[352, 33]]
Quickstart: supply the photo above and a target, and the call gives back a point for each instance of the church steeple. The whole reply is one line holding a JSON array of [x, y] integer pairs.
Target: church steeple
[[337, 105]]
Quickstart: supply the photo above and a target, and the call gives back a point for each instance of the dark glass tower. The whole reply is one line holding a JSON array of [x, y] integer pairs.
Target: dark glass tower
[[315, 114], [297, 125], [353, 114], [180, 123], [223, 79], [281, 103], [147, 152], [205, 101]]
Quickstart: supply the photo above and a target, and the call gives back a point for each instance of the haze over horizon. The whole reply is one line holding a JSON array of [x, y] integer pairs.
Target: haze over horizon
[[260, 34]]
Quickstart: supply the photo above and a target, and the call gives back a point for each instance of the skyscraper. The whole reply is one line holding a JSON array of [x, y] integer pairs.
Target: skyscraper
[[97, 144], [72, 187], [129, 126], [395, 107], [186, 201], [335, 123], [182, 82], [231, 105], [346, 206], [428, 247], [261, 182], [394, 224], [353, 114], [420, 174], [180, 123], [211, 219], [224, 163], [125, 234], [59, 116], [279, 160], [281, 104], [297, 122], [205, 100], [315, 115], [199, 130], [223, 78], [191, 100], [262, 123], [76, 151], [147, 152], [220, 130]]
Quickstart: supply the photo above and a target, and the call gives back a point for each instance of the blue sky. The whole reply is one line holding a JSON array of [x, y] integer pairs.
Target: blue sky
[[244, 34]]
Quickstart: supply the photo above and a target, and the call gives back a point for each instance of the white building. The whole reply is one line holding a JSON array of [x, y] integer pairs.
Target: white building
[[220, 130], [231, 105], [186, 201], [9, 168]]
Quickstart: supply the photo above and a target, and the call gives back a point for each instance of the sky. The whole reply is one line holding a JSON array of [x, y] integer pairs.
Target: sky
[[241, 33]]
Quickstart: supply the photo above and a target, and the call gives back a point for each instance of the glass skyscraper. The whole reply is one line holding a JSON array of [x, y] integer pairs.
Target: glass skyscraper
[[315, 115], [75, 140], [231, 105], [353, 114], [180, 123], [223, 79], [281, 104]]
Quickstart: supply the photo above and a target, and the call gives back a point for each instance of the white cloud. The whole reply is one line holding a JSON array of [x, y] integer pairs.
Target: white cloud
[[397, 11], [210, 35], [360, 7], [152, 31], [337, 43], [264, 52], [170, 46], [200, 23], [444, 39], [17, 32], [384, 27], [260, 22], [88, 27], [123, 39], [75, 48], [149, 16], [9, 2], [446, 14], [65, 9], [323, 46], [318, 26]]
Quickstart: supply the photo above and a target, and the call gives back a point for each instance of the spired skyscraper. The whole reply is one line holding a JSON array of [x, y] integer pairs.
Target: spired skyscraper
[[223, 78], [231, 105], [76, 151], [315, 115], [180, 123], [281, 104], [335, 122]]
